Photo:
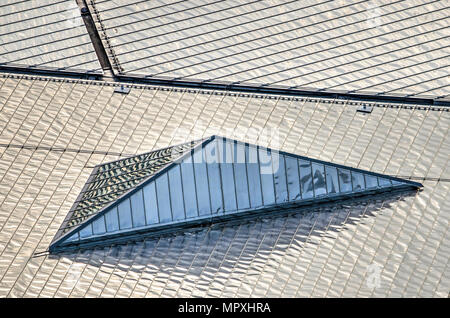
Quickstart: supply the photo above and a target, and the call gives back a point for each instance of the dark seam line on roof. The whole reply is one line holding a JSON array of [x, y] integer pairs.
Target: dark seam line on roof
[[359, 60], [61, 149], [231, 36], [190, 18], [128, 4], [33, 8], [40, 34], [229, 87], [315, 43], [64, 72], [394, 70], [217, 30], [163, 15]]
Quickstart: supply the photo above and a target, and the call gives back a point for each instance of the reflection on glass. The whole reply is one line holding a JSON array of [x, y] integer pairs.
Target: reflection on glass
[[279, 177], [358, 181], [176, 193], [124, 214], [215, 188], [73, 237], [150, 202], [86, 231], [227, 173], [162, 193], [240, 174], [254, 182], [384, 182], [189, 194], [112, 220], [319, 179], [371, 181], [137, 209], [306, 182], [201, 181], [98, 226], [266, 172], [345, 181], [332, 180], [293, 178]]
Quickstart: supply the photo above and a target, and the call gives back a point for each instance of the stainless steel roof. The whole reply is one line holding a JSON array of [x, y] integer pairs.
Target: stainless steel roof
[[387, 47], [45, 34], [53, 131]]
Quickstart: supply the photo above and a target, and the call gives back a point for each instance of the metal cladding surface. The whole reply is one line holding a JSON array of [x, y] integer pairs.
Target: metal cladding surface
[[54, 131], [382, 47], [45, 34]]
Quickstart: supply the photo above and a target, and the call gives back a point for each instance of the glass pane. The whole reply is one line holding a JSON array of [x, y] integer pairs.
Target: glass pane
[[137, 209], [215, 187], [228, 185], [358, 181], [306, 182], [201, 181], [293, 178], [86, 231], [112, 220], [73, 237], [124, 214], [332, 180], [176, 193], [254, 182], [150, 203], [240, 174], [98, 226], [371, 181], [162, 193], [279, 177], [320, 187], [189, 194], [345, 182], [384, 182], [266, 172]]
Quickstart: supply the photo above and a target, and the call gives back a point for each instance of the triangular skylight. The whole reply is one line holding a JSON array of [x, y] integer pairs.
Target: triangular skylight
[[214, 179]]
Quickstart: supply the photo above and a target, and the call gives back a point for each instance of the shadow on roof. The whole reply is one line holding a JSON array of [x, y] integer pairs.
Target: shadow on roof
[[238, 241]]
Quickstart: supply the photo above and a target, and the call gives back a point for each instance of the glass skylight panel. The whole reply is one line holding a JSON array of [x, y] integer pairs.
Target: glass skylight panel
[[217, 178]]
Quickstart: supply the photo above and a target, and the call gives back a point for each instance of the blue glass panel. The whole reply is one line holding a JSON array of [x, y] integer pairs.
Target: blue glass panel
[[384, 182], [371, 181], [265, 168], [345, 181], [332, 180], [98, 226], [189, 194], [112, 220], [279, 177], [306, 181], [162, 193], [86, 231], [176, 193], [358, 181], [201, 182], [227, 173], [124, 214], [150, 203], [293, 178], [215, 187], [320, 187], [240, 174], [73, 237], [254, 181], [137, 209]]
